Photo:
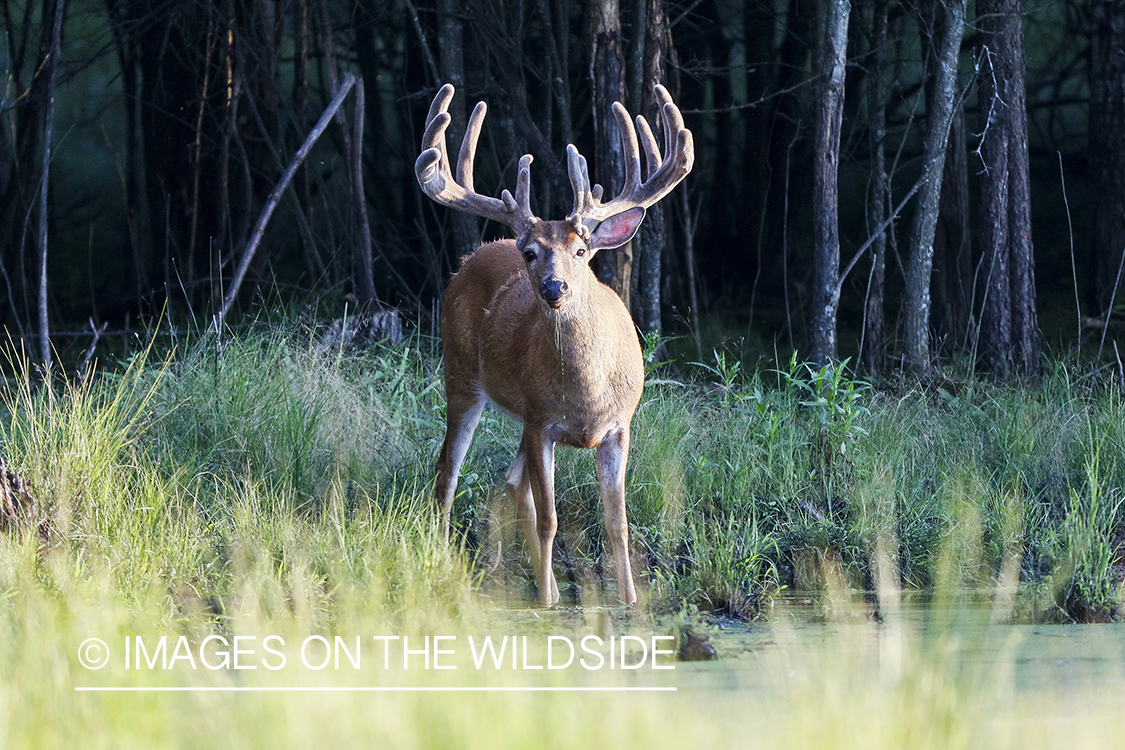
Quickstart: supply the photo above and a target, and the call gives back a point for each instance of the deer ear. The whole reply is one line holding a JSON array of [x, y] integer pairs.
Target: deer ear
[[617, 229]]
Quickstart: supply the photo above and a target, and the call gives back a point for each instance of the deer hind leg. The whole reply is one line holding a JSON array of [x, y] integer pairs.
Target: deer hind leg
[[613, 453], [538, 467], [463, 412]]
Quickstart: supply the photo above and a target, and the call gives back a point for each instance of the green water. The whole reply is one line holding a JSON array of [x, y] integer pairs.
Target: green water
[[1028, 657]]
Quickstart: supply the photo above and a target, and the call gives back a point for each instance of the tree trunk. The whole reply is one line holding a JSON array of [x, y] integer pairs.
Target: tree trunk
[[953, 245], [56, 21], [874, 352], [996, 320], [363, 280], [1025, 319], [1009, 321], [650, 243], [949, 21], [365, 287], [451, 65], [607, 75], [952, 264], [831, 57]]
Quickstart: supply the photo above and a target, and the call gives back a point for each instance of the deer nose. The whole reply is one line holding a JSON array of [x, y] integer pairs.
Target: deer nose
[[552, 290]]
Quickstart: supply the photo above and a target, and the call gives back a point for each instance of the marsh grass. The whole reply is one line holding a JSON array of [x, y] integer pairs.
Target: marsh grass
[[271, 486]]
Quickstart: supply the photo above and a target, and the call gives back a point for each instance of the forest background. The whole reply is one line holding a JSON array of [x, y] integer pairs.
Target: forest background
[[902, 183]]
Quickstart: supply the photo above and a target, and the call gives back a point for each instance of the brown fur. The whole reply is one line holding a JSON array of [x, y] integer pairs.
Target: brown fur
[[572, 375]]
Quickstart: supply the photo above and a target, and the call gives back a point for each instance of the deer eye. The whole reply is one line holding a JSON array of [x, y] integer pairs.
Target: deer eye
[[529, 255], [580, 252]]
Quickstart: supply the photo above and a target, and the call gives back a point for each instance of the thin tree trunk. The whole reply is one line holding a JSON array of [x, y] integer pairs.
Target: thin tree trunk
[[366, 285], [607, 75], [451, 64], [949, 18], [758, 42], [952, 262], [361, 256], [557, 53], [196, 156], [996, 321], [649, 246], [302, 34], [831, 57], [953, 238], [1025, 319], [688, 223], [48, 127], [786, 137], [18, 185], [874, 343]]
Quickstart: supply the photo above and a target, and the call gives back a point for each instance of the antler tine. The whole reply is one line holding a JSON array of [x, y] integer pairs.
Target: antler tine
[[434, 135], [630, 147], [653, 159], [469, 146], [436, 180], [579, 178], [671, 126], [519, 207], [580, 185]]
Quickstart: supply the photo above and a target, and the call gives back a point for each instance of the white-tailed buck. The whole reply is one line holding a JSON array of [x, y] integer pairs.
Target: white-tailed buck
[[526, 324]]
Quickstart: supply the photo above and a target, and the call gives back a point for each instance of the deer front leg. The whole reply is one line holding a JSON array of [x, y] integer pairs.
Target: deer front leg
[[519, 488], [462, 414], [539, 452], [613, 453]]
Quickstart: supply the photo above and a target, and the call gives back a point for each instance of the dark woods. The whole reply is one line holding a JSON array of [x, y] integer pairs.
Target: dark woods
[[902, 183]]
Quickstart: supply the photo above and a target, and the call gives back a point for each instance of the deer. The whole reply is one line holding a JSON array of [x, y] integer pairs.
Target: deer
[[527, 325]]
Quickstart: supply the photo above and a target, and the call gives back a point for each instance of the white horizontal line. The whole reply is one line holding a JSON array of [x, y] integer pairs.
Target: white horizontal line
[[239, 689]]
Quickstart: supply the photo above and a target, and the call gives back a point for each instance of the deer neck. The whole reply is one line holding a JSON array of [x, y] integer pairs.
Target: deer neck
[[576, 338]]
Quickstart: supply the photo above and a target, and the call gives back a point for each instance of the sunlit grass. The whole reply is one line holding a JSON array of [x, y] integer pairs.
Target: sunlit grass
[[272, 488]]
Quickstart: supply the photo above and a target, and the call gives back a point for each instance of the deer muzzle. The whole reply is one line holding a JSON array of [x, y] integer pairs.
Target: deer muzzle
[[554, 292]]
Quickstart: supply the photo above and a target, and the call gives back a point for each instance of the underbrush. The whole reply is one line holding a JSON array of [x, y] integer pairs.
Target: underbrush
[[789, 471]]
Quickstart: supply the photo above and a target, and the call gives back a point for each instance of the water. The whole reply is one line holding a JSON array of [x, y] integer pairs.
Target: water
[[941, 674], [1029, 658]]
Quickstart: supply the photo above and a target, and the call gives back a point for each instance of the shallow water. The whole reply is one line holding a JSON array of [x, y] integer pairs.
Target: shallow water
[[1054, 673], [1030, 658]]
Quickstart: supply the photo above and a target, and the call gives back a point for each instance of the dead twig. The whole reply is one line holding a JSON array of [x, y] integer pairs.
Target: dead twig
[[89, 354]]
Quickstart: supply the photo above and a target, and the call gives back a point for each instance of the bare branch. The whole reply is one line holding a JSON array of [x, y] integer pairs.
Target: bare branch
[[275, 197]]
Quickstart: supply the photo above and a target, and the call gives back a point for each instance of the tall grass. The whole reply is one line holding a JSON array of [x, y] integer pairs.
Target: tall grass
[[275, 487], [738, 488]]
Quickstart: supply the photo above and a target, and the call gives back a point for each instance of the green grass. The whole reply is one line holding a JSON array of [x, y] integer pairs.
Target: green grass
[[271, 487]]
